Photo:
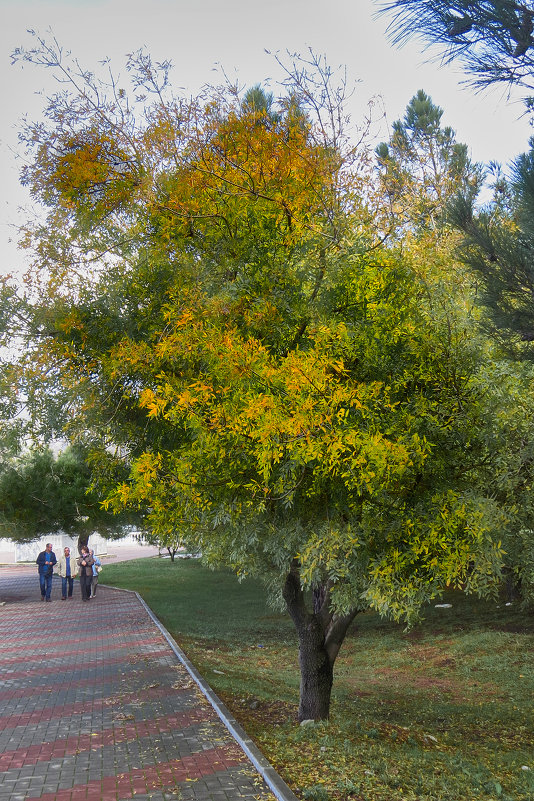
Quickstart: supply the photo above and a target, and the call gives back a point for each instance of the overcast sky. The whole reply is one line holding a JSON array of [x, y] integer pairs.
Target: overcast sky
[[199, 35]]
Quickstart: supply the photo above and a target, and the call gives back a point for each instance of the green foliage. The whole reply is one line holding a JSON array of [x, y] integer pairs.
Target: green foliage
[[41, 494], [310, 454], [281, 387], [494, 42], [252, 369], [497, 247], [12, 424], [508, 475]]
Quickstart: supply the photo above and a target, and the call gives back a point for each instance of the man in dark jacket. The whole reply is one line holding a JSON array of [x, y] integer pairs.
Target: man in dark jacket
[[45, 562]]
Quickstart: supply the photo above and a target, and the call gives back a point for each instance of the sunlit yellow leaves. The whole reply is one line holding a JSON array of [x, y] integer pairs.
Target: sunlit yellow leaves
[[154, 405], [92, 170], [120, 498], [304, 414], [145, 469], [249, 177]]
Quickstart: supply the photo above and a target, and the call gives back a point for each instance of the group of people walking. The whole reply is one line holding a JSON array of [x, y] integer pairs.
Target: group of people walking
[[87, 566]]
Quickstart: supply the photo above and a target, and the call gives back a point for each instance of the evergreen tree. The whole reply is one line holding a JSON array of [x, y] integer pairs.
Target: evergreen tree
[[498, 246], [422, 166], [492, 38]]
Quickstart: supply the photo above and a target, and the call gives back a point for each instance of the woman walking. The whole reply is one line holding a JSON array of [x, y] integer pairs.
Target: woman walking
[[85, 563], [97, 567]]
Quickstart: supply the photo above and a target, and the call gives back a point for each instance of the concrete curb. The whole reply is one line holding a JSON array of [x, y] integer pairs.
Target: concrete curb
[[275, 783]]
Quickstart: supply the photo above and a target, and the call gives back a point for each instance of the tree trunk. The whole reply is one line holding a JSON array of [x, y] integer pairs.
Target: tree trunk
[[320, 635], [83, 539], [512, 585], [316, 673]]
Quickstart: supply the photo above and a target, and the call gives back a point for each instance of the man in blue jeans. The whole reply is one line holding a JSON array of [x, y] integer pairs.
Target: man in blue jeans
[[67, 569], [45, 562]]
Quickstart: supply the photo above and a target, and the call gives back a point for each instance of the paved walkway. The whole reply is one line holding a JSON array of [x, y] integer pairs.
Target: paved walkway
[[97, 703]]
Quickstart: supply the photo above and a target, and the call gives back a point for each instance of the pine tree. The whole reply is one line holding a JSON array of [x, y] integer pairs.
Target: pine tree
[[498, 246], [492, 38], [422, 166]]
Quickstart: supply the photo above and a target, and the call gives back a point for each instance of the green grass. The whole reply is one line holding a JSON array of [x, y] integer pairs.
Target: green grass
[[441, 713]]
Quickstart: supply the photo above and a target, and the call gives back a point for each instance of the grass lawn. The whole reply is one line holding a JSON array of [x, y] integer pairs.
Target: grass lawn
[[442, 713]]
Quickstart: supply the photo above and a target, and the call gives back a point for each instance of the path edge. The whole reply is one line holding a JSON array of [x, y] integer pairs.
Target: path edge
[[273, 780]]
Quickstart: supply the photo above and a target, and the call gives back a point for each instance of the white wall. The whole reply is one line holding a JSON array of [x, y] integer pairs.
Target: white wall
[[13, 552]]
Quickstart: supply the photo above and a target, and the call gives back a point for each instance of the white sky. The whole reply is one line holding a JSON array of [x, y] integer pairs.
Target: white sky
[[196, 35]]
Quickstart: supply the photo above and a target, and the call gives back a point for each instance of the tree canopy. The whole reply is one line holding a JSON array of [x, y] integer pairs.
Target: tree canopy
[[42, 494], [493, 40], [422, 167]]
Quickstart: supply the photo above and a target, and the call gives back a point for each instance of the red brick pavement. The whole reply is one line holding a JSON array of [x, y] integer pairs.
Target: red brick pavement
[[90, 742], [24, 651], [40, 715], [96, 705], [169, 775]]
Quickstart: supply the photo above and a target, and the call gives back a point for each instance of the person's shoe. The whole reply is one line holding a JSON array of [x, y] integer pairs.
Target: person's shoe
[[49, 599], [42, 597], [63, 598]]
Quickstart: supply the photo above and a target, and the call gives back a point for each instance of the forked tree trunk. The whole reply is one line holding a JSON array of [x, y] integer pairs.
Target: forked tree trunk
[[321, 635], [83, 539]]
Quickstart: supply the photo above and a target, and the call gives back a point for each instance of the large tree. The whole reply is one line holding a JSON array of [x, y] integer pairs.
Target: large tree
[[217, 307], [494, 40], [42, 493]]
